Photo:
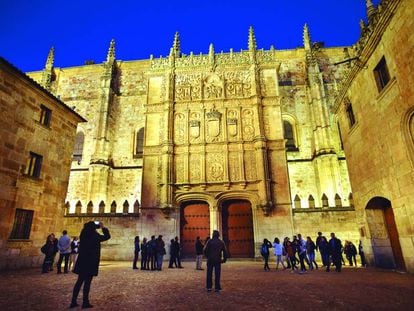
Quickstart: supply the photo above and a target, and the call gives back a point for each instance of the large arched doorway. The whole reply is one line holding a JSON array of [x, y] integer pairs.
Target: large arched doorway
[[195, 221], [237, 222], [384, 234]]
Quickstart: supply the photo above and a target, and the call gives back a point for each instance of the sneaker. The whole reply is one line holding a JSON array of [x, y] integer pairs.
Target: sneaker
[[87, 306], [208, 290]]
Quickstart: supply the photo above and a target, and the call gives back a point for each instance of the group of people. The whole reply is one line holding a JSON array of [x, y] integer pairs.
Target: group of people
[[153, 251], [82, 256], [67, 249], [86, 255], [299, 251]]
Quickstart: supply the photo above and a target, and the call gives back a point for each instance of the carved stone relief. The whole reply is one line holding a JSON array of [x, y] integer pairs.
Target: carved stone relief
[[215, 167], [238, 84], [213, 87], [234, 165], [250, 165], [195, 127], [232, 123], [179, 169], [248, 124], [213, 125], [179, 126], [195, 169]]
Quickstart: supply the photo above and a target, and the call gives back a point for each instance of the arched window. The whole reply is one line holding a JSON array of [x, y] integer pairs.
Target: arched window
[[289, 135], [139, 142], [78, 149]]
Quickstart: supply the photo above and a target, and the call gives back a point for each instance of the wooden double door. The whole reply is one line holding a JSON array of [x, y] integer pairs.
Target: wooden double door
[[236, 227]]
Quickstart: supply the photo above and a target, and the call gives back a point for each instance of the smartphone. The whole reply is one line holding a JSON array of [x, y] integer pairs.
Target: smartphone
[[97, 222]]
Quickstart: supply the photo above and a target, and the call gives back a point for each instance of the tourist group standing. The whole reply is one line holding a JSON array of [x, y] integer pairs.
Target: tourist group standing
[[300, 254]]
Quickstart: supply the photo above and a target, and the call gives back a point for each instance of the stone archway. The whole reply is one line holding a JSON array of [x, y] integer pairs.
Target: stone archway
[[194, 221], [384, 234], [237, 227]]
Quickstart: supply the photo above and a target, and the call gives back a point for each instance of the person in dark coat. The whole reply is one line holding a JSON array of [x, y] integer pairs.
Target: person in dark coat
[[216, 253], [49, 249], [173, 256], [87, 265], [335, 250], [136, 252], [144, 254]]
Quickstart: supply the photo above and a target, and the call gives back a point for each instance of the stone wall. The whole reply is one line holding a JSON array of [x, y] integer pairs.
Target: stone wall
[[22, 132]]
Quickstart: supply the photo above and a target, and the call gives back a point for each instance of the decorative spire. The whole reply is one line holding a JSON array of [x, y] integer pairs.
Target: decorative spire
[[371, 10], [361, 26], [111, 52], [306, 37], [177, 45], [211, 50], [50, 58], [252, 40]]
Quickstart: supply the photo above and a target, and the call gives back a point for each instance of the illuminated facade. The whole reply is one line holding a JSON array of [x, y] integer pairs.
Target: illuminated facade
[[376, 121], [245, 142]]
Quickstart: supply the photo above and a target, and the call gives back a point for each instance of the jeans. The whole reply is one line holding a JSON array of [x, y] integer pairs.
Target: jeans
[[159, 261], [199, 260], [279, 259], [217, 271]]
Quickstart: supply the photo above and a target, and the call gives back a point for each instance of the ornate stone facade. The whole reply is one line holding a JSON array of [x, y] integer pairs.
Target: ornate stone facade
[[251, 135]]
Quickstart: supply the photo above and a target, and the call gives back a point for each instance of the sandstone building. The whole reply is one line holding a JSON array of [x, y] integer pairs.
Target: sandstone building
[[375, 107], [37, 135], [245, 142]]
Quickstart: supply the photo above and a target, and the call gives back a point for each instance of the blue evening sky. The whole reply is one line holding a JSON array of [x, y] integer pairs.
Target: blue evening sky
[[82, 30]]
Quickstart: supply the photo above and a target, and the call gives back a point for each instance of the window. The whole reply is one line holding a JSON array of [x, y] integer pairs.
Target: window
[[350, 114], [34, 164], [289, 136], [139, 142], [78, 149], [45, 114], [22, 224], [382, 76]]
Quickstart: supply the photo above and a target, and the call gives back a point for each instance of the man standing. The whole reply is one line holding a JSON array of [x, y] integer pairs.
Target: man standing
[[177, 252], [216, 253], [335, 250], [199, 253], [64, 251]]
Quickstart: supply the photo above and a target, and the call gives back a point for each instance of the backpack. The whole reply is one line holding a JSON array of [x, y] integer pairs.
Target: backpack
[[264, 250]]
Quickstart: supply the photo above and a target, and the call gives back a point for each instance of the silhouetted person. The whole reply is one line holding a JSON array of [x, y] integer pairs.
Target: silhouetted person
[[152, 250], [74, 247], [177, 250], [50, 250], [362, 254], [144, 254], [87, 265], [216, 253], [136, 252], [173, 256], [160, 251], [335, 250]]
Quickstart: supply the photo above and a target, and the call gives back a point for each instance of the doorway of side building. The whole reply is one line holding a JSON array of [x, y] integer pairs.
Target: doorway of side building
[[237, 227], [384, 234], [194, 221]]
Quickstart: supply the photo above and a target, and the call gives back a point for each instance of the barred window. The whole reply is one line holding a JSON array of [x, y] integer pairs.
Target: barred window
[[45, 115], [34, 165], [22, 224]]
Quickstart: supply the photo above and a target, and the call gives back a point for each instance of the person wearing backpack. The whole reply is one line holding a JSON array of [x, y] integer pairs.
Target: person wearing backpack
[[264, 251]]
